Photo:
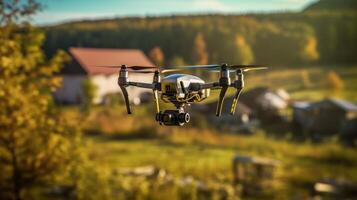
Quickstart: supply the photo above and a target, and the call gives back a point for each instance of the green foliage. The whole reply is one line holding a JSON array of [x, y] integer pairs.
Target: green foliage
[[334, 82], [177, 61], [245, 54], [34, 138], [89, 90], [305, 79], [275, 43], [200, 56], [333, 5], [274, 39]]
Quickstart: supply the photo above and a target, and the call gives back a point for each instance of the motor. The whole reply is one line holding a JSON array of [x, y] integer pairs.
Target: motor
[[173, 117]]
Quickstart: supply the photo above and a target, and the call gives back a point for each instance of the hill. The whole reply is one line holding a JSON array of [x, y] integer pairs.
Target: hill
[[282, 39], [333, 5]]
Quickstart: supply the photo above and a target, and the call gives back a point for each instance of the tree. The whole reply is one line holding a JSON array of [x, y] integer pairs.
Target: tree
[[89, 92], [200, 55], [177, 61], [157, 56], [33, 135], [334, 82], [309, 52], [245, 54]]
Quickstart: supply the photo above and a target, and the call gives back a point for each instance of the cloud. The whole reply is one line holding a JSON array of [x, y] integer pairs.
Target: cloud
[[211, 5]]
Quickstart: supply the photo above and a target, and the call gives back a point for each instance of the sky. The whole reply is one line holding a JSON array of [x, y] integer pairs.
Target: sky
[[57, 11]]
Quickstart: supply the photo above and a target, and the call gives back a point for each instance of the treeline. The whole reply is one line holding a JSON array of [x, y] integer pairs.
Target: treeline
[[285, 39]]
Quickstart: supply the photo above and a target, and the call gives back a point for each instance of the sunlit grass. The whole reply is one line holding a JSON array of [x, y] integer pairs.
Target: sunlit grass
[[207, 155]]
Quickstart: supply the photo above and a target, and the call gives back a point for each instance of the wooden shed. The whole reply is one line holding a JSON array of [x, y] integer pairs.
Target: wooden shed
[[328, 116]]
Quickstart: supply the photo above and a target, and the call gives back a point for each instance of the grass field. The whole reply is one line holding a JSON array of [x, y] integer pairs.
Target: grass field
[[206, 156]]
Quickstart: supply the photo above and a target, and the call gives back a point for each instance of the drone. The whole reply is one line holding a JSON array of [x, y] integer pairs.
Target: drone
[[184, 89]]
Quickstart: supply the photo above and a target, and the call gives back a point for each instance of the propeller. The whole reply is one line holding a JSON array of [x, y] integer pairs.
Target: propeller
[[243, 69], [143, 69], [244, 66], [216, 67], [163, 71], [134, 67], [253, 69]]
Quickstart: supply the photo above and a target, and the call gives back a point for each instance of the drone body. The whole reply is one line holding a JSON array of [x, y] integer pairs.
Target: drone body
[[184, 89], [177, 89]]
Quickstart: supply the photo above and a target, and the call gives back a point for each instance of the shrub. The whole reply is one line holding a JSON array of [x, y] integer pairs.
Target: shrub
[[333, 81], [89, 90]]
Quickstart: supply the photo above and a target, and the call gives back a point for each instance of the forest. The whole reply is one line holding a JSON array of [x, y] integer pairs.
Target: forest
[[310, 37]]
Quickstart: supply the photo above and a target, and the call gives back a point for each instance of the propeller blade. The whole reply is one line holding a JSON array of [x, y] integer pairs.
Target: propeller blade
[[135, 67], [141, 71], [244, 69], [214, 66], [244, 66], [169, 70], [220, 100], [253, 69], [126, 98], [235, 101], [164, 71], [217, 71]]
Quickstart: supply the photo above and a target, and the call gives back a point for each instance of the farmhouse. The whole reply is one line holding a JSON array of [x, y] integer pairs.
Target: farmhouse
[[84, 66], [267, 104], [328, 116]]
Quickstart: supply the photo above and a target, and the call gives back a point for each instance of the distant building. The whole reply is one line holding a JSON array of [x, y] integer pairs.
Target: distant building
[[84, 65], [242, 120], [267, 104], [329, 116], [256, 175]]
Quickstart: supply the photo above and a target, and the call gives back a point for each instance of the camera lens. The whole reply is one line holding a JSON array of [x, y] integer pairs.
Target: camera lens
[[172, 118], [184, 117]]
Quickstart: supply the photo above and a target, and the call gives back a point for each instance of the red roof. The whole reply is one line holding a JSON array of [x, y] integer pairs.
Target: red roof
[[90, 58]]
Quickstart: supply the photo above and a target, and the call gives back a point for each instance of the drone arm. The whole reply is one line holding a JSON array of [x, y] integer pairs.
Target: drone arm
[[142, 85], [213, 85], [201, 86]]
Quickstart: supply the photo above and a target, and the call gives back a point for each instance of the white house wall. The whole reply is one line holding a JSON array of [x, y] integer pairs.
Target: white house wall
[[105, 85], [109, 84], [71, 90]]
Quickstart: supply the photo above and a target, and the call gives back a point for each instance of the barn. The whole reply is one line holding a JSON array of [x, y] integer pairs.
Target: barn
[[84, 66], [267, 104]]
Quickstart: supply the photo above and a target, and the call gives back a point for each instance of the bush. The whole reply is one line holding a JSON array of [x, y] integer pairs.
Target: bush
[[333, 81], [89, 90]]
